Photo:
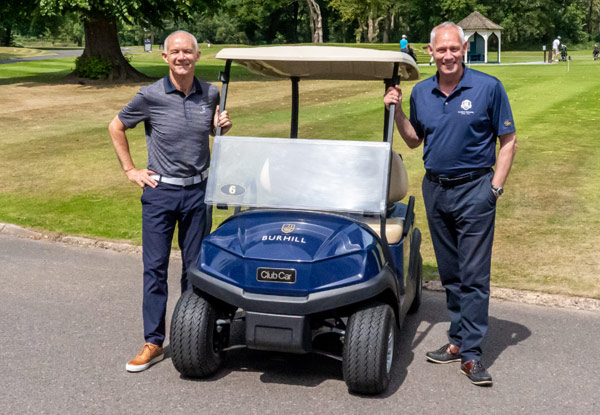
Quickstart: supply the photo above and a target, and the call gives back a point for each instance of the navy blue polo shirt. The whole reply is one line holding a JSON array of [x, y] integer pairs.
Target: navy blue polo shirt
[[177, 126], [460, 130]]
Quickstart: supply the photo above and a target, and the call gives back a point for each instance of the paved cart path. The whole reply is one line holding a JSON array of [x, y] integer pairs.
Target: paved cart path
[[56, 53], [71, 319]]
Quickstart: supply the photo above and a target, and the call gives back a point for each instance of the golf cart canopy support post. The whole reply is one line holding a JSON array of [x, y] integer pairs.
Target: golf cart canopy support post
[[388, 127], [224, 78], [388, 137], [295, 107]]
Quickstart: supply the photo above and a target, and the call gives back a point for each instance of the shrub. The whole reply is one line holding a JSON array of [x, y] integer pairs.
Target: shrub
[[93, 67]]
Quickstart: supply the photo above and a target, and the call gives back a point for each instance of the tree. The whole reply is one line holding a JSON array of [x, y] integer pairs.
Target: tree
[[316, 21], [368, 13], [15, 15], [100, 19]]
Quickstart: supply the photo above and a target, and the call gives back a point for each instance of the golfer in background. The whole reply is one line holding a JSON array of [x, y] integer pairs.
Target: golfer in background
[[555, 46]]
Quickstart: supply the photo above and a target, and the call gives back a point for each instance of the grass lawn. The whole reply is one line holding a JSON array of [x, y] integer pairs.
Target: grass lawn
[[59, 172]]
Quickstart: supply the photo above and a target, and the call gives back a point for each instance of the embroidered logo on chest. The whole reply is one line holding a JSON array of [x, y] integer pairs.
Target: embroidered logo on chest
[[466, 105]]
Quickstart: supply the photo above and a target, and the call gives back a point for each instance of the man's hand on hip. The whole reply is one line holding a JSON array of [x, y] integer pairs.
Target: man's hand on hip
[[141, 177]]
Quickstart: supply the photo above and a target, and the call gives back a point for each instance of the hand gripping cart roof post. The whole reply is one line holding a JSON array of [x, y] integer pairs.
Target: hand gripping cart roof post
[[319, 246]]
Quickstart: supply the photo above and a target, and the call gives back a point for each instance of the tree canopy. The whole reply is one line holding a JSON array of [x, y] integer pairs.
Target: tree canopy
[[105, 23], [102, 55]]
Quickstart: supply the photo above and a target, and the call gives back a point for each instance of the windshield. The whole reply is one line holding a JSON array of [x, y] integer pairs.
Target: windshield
[[339, 176]]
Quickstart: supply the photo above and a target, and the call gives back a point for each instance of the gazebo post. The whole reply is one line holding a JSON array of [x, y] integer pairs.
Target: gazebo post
[[499, 43], [485, 47]]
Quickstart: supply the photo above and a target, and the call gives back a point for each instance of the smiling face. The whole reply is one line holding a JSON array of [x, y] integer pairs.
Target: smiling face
[[448, 51], [181, 55]]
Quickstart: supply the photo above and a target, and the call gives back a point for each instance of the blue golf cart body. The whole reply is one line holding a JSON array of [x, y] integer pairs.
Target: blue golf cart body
[[319, 243]]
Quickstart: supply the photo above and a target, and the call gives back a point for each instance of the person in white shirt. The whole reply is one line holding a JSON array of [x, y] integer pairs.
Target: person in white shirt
[[555, 46]]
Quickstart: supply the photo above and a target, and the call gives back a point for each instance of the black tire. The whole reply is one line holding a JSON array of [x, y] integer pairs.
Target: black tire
[[416, 303], [195, 343], [366, 364]]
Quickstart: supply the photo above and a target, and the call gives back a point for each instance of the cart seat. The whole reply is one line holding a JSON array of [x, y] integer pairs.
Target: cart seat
[[398, 190], [393, 228], [398, 179]]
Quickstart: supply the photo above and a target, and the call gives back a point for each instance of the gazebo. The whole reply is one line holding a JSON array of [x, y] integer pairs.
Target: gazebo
[[482, 34]]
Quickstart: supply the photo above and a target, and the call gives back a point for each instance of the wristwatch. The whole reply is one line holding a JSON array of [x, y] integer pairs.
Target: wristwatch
[[498, 190]]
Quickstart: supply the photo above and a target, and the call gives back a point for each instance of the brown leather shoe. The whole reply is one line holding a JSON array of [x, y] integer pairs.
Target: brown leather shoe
[[150, 354], [448, 353], [475, 371]]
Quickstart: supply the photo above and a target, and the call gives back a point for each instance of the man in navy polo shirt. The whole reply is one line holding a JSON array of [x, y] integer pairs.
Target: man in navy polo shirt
[[458, 114], [179, 112]]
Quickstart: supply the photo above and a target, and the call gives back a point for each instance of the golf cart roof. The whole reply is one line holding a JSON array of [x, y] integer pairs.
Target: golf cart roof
[[323, 62]]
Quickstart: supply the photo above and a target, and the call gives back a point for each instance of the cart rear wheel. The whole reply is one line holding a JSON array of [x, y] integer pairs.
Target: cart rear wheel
[[196, 343], [369, 349]]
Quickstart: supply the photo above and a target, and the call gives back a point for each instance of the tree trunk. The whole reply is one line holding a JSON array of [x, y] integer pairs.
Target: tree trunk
[[316, 21], [373, 27], [590, 29], [101, 41], [6, 35], [386, 29]]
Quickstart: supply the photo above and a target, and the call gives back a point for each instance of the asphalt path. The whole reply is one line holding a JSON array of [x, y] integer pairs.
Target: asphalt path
[[70, 320], [58, 53]]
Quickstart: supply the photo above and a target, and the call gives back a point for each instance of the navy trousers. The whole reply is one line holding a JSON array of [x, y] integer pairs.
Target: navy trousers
[[162, 208], [461, 221]]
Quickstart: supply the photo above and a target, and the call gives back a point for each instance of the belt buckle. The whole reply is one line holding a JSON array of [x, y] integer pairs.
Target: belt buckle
[[444, 181], [188, 181]]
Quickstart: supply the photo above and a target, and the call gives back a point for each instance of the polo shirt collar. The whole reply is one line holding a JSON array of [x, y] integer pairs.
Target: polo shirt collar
[[169, 87], [465, 82]]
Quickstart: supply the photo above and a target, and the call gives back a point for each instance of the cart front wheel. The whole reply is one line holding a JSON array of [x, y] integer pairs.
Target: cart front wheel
[[369, 349], [196, 341]]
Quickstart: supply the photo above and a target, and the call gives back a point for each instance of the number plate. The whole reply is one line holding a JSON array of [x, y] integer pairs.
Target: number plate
[[276, 275]]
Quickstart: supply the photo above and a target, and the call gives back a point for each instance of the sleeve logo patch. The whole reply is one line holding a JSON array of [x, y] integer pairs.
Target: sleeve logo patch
[[507, 123]]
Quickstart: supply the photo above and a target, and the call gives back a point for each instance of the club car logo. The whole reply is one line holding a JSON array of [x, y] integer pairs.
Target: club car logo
[[288, 228], [276, 275]]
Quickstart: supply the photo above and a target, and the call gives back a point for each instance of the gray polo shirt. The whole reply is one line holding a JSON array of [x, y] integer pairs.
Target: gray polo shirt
[[177, 127]]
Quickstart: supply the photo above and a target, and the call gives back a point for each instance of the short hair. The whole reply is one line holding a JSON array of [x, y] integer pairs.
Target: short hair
[[194, 41], [447, 25]]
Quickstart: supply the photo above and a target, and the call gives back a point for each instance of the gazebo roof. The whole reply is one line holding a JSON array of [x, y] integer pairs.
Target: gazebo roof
[[477, 21]]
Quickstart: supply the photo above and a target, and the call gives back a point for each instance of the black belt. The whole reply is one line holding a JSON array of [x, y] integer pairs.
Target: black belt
[[446, 181]]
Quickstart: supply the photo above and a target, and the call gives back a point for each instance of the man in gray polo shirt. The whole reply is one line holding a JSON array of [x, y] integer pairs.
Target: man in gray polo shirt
[[179, 112]]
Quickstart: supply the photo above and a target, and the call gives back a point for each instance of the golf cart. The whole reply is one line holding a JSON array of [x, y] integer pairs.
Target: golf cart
[[319, 255]]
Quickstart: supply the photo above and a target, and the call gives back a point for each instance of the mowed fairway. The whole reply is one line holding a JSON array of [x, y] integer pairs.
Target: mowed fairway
[[59, 172]]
